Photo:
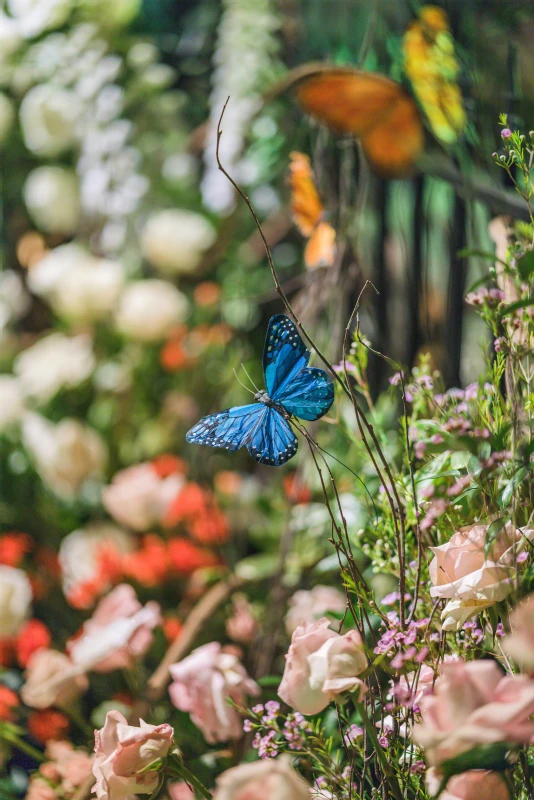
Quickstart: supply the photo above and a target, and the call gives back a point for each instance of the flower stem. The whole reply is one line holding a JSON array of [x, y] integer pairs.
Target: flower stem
[[379, 750], [12, 738], [181, 771]]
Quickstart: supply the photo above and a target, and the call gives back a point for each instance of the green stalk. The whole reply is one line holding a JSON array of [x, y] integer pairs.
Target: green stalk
[[379, 750], [24, 747]]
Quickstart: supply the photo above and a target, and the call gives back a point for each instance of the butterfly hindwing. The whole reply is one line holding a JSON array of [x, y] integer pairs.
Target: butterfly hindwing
[[272, 442], [284, 354], [228, 429], [309, 395]]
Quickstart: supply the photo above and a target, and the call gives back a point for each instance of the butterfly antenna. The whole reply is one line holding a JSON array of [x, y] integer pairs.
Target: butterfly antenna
[[241, 382], [248, 376]]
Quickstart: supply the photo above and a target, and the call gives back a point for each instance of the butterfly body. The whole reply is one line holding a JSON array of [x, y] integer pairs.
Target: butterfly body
[[293, 390]]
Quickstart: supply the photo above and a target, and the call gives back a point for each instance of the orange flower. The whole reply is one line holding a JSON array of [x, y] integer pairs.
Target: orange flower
[[149, 565], [7, 653], [228, 482], [171, 628], [8, 701], [206, 293], [173, 356], [210, 527], [33, 635], [13, 548], [295, 490], [186, 557], [47, 725], [167, 464], [189, 502]]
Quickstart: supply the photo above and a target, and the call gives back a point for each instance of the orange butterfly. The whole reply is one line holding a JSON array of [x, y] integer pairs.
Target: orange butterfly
[[308, 212], [370, 107]]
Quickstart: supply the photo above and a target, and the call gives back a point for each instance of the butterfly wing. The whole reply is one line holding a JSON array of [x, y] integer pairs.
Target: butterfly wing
[[309, 395], [229, 429], [321, 248], [284, 354], [272, 442], [306, 206], [371, 107]]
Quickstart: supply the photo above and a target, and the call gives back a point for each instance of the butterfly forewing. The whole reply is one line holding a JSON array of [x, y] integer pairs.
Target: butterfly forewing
[[284, 355], [229, 429]]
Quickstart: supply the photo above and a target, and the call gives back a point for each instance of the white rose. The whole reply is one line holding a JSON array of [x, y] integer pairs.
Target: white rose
[[14, 299], [12, 405], [175, 241], [148, 310], [52, 198], [262, 780], [79, 287], [35, 16], [66, 454], [7, 116], [15, 600], [78, 553], [53, 363], [10, 38], [49, 117]]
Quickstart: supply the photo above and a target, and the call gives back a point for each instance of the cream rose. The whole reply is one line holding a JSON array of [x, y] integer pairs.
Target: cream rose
[[66, 454], [272, 779], [14, 299], [461, 571], [55, 362], [202, 684], [15, 600], [309, 606], [519, 644], [52, 680], [12, 405], [138, 497], [320, 666], [79, 554], [474, 704], [149, 309], [174, 241], [52, 198], [35, 16], [118, 633], [49, 116], [122, 751]]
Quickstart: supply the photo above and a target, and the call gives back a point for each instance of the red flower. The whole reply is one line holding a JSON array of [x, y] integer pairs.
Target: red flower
[[13, 548], [7, 653], [189, 502], [210, 527], [187, 557], [167, 464], [47, 725], [295, 490], [30, 638], [171, 628], [149, 565], [8, 701]]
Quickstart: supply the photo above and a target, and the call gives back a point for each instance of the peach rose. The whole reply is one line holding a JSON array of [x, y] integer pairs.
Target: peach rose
[[309, 606], [320, 666], [202, 684], [272, 779], [52, 680], [476, 784], [138, 498], [122, 751], [474, 704], [40, 789], [73, 766], [519, 644], [461, 571], [118, 633], [242, 626]]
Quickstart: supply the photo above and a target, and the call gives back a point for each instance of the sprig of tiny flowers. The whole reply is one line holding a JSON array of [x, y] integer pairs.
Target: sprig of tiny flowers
[[518, 153]]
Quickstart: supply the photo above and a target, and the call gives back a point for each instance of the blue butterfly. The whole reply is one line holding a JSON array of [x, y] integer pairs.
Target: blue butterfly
[[293, 389]]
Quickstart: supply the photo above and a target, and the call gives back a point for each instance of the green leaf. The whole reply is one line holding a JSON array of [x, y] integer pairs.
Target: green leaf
[[468, 253], [529, 301], [474, 466], [525, 265], [493, 531], [511, 486], [269, 680]]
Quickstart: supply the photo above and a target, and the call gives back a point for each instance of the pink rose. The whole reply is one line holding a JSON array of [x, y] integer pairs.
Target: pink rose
[[460, 571], [476, 784], [320, 666], [118, 633], [309, 606], [474, 704], [272, 779], [519, 644], [202, 684], [122, 751], [52, 680], [138, 497], [73, 766], [180, 791], [422, 682], [242, 626], [39, 789]]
